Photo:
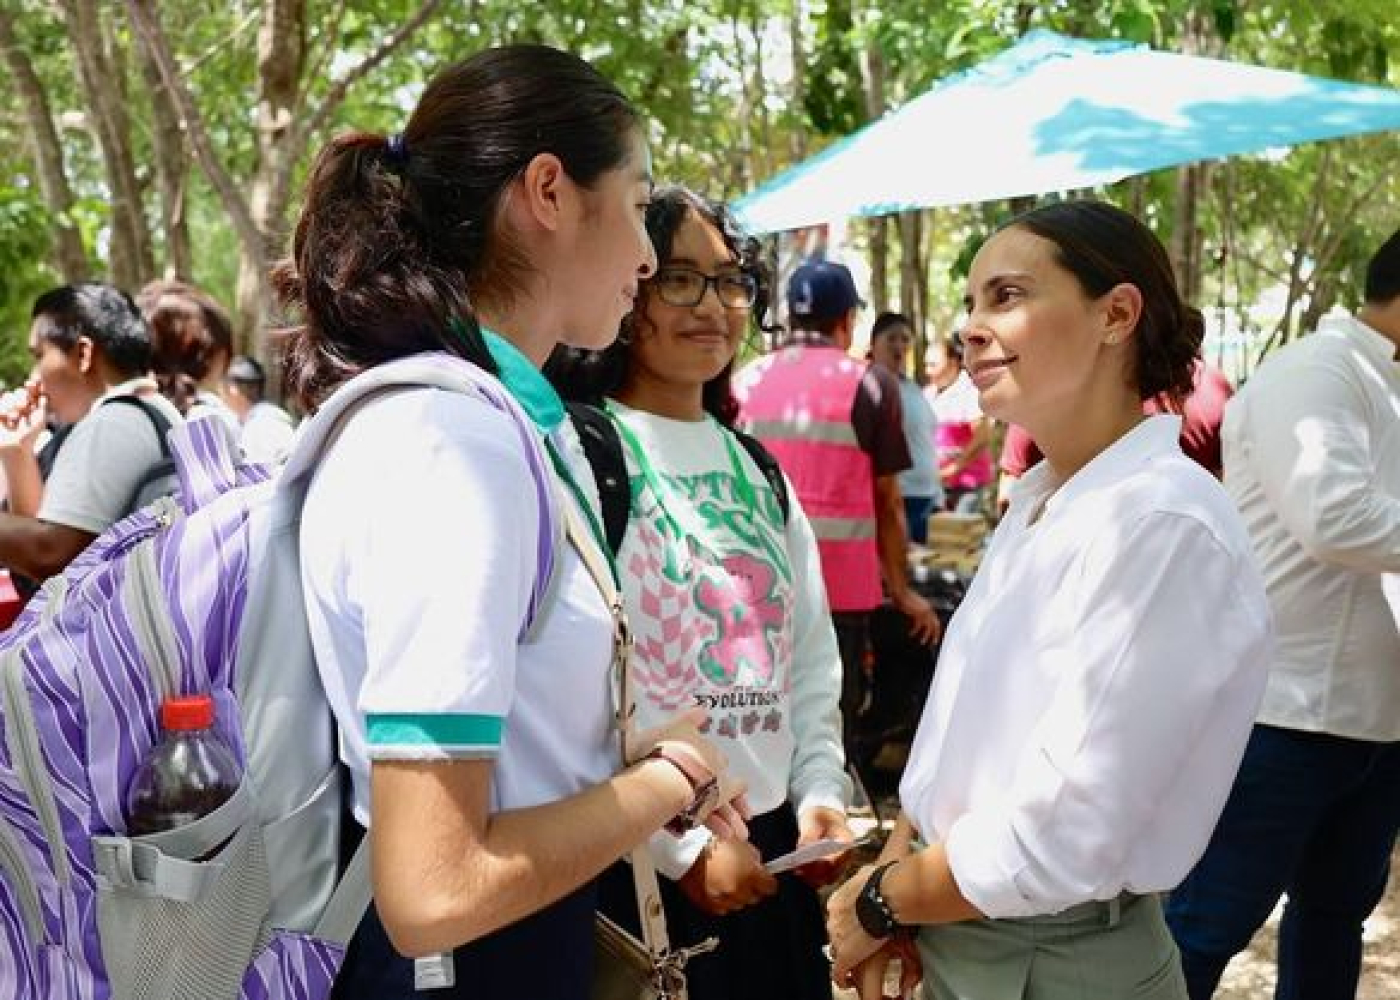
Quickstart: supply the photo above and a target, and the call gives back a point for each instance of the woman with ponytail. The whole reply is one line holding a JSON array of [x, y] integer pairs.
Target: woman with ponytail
[[507, 218], [1097, 685]]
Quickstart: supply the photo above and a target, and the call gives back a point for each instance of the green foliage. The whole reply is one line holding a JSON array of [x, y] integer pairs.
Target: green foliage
[[833, 102], [715, 80], [24, 226]]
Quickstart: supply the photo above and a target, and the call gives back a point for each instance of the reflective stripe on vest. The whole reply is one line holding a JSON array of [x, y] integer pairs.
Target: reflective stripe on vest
[[798, 402]]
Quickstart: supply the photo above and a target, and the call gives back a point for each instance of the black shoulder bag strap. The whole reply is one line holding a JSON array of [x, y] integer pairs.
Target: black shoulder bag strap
[[159, 422], [165, 468], [768, 465], [603, 448]]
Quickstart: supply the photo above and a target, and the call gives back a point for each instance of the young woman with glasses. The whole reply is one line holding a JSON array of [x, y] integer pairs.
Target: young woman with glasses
[[725, 597]]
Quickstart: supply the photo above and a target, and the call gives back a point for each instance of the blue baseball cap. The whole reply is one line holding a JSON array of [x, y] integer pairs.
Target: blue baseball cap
[[821, 291]]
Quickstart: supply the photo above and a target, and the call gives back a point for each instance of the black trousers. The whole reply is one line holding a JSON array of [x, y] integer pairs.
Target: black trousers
[[853, 643], [546, 956], [770, 950]]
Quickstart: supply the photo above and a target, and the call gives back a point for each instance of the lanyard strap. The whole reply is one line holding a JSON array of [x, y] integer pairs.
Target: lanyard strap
[[561, 467]]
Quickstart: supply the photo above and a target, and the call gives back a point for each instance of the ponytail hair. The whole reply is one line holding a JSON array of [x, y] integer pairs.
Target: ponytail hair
[[399, 240]]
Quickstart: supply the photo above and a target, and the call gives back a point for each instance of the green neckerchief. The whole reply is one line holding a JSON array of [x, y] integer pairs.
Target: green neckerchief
[[525, 382], [542, 404]]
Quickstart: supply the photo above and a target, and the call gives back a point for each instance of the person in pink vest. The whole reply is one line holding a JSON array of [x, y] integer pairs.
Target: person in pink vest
[[836, 428]]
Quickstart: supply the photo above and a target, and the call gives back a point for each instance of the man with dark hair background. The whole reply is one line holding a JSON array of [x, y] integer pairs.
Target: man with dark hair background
[[835, 426], [90, 347], [266, 428]]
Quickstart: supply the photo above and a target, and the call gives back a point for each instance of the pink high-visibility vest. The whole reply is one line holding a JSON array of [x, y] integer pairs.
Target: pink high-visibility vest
[[798, 402]]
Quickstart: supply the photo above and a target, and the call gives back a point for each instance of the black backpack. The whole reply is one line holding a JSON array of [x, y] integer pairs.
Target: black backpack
[[161, 479], [602, 446]]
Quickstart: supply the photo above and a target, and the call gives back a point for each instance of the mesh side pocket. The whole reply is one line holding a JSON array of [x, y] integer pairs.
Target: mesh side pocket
[[173, 929]]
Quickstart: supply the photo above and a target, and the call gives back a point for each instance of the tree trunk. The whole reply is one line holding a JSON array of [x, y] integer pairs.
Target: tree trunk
[[69, 255], [131, 261], [879, 293], [145, 20], [872, 65], [911, 272], [172, 169], [281, 58], [1186, 230], [799, 82], [763, 148]]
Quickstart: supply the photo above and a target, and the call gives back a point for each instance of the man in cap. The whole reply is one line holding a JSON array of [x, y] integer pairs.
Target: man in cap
[[835, 426], [267, 428]]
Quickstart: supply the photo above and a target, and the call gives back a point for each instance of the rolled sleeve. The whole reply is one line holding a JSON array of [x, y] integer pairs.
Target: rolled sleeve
[[1126, 773], [1313, 456], [674, 856]]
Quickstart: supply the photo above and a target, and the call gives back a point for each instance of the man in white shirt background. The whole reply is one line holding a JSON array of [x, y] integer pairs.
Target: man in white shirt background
[[267, 428], [1312, 458]]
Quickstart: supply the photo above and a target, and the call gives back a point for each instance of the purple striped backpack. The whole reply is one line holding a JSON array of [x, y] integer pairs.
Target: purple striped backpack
[[196, 594]]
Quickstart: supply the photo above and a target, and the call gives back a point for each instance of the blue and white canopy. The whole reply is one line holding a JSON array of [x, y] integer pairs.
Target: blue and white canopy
[[1055, 114]]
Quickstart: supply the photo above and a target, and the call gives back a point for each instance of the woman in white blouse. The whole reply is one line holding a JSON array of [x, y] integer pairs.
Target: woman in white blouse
[[1096, 688]]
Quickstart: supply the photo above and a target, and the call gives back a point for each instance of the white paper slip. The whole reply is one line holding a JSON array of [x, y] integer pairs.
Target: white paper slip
[[813, 851]]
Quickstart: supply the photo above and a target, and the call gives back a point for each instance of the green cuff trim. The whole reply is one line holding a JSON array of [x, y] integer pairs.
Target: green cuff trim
[[446, 732]]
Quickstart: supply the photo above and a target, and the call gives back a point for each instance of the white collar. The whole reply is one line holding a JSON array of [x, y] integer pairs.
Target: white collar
[[1146, 440]]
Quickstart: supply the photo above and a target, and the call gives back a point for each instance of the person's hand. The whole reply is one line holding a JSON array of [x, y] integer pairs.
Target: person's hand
[[868, 978], [681, 737], [23, 416], [727, 876], [850, 944], [823, 823], [924, 625]]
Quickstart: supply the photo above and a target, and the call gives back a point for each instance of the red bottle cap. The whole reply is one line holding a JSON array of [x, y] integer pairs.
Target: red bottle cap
[[183, 714]]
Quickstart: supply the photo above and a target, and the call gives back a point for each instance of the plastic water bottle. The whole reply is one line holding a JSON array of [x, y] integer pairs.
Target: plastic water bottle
[[188, 774]]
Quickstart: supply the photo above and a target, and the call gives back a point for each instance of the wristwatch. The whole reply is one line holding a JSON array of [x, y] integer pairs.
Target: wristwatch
[[873, 910], [704, 789]]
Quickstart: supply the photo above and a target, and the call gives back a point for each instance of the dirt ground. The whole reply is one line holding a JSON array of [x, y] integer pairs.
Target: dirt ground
[[1251, 975]]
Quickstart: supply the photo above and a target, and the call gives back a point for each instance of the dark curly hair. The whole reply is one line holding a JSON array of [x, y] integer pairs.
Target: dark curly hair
[[589, 376], [1103, 246]]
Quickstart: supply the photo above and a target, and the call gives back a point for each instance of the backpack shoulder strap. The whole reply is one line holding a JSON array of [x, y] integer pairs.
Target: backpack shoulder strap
[[159, 422], [441, 371], [768, 465], [602, 446]]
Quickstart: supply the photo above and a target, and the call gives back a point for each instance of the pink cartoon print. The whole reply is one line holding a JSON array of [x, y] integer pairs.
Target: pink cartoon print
[[740, 600]]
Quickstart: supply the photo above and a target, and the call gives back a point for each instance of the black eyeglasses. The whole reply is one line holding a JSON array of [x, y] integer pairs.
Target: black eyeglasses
[[684, 287]]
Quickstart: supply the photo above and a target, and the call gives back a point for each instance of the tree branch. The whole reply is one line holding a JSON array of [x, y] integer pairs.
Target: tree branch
[[336, 95], [147, 23], [48, 152]]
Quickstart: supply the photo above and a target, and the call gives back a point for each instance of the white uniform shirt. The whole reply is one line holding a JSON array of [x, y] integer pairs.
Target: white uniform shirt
[[1312, 458], [1097, 686], [418, 557]]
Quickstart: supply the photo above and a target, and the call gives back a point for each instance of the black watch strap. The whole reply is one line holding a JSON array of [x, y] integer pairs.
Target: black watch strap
[[873, 910]]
